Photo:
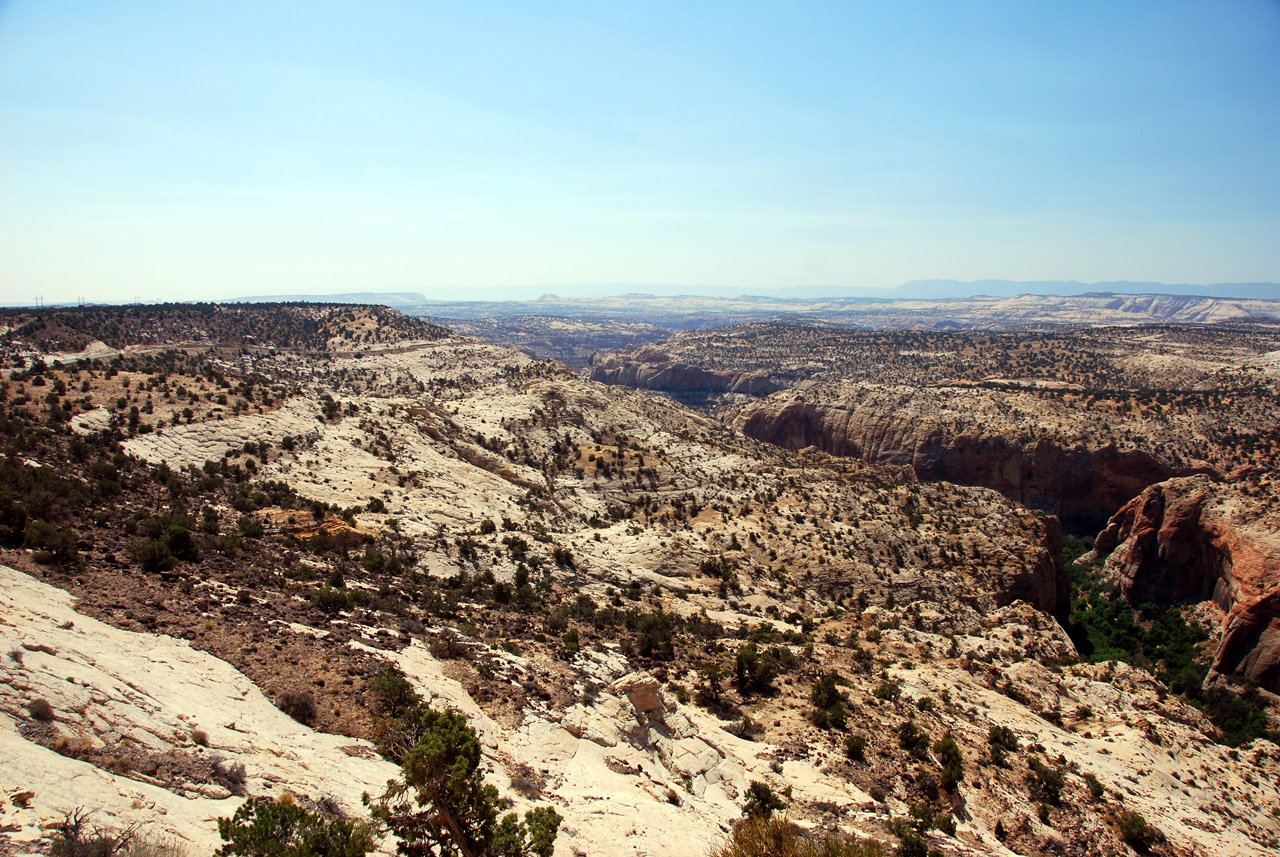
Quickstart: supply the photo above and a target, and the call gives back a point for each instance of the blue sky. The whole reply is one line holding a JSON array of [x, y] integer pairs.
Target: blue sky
[[209, 150]]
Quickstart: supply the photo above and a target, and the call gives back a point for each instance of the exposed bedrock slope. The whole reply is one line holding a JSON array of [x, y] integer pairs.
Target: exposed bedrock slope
[[963, 436], [1193, 539]]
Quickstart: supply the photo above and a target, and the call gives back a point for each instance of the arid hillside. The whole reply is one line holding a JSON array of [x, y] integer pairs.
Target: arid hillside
[[643, 612]]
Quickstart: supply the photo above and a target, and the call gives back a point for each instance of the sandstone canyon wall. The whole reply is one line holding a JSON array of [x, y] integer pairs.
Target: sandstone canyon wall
[[967, 437], [1193, 539], [653, 370]]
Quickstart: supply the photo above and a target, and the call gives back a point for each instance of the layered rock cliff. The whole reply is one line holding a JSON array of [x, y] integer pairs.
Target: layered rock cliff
[[651, 369], [1194, 539], [1032, 451]]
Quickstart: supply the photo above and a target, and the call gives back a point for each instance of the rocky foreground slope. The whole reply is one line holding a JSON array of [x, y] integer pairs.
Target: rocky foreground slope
[[631, 604]]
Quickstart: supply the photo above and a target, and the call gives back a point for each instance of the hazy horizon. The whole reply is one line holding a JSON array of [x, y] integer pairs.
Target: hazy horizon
[[918, 290]]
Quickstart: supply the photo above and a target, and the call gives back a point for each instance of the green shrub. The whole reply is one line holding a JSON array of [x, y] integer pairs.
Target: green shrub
[[571, 641], [13, 520], [152, 554], [1044, 781], [829, 707], [912, 845], [1135, 831], [331, 600], [756, 670], [887, 690], [250, 527], [948, 752], [320, 543], [443, 806], [1002, 740], [181, 544], [263, 828], [58, 542], [912, 738], [761, 801], [394, 696]]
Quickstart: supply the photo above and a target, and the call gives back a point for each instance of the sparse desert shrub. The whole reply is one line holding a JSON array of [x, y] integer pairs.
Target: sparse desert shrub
[[527, 782], [1001, 740], [829, 709], [761, 801], [778, 837], [855, 747], [887, 690], [146, 844], [152, 554], [1136, 832], [1044, 781], [745, 728], [331, 600], [199, 736], [262, 828], [233, 776], [74, 836], [445, 647], [41, 710], [298, 704], [56, 541], [761, 837]]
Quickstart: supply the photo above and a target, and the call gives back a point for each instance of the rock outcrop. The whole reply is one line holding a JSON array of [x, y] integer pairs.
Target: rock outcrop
[[1193, 539], [163, 713], [967, 436], [651, 369]]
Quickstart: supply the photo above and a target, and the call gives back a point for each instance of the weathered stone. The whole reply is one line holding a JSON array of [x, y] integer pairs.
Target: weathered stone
[[1194, 539]]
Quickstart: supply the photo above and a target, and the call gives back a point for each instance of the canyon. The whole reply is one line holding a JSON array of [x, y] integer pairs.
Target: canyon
[[631, 601]]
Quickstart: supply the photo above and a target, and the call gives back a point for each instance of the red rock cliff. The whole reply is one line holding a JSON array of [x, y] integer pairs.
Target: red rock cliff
[[1194, 539]]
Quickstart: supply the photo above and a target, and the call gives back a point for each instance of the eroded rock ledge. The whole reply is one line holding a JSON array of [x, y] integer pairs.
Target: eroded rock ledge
[[1012, 443], [651, 369]]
